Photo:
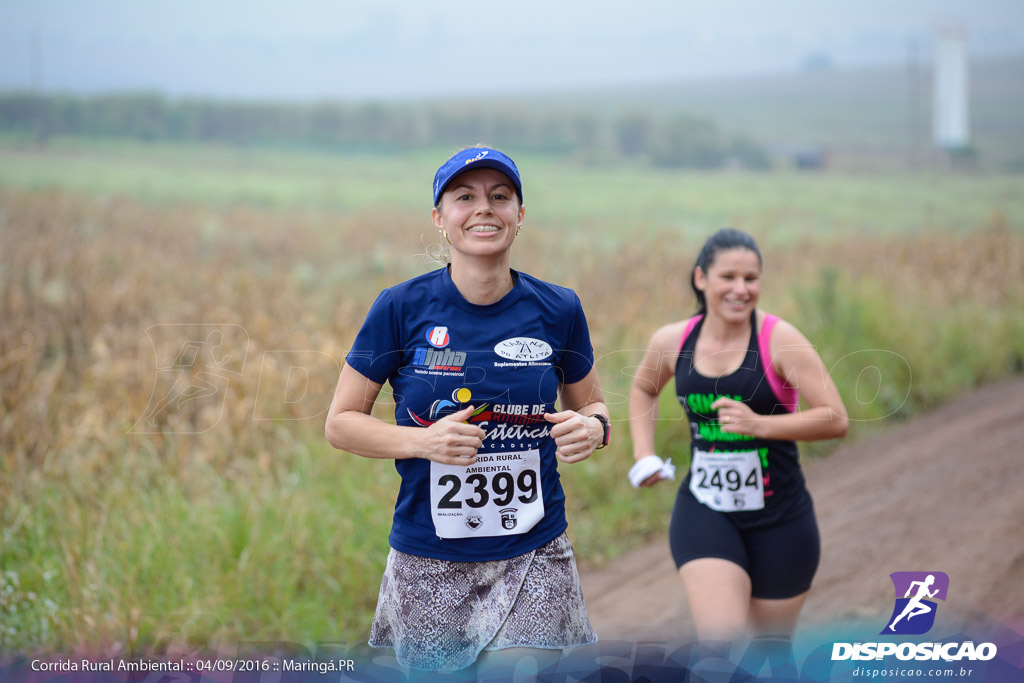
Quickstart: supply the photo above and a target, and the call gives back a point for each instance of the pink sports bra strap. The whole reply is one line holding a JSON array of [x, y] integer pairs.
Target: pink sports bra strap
[[690, 324], [787, 395]]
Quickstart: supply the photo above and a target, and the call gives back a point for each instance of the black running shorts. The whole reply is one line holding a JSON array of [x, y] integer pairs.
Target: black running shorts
[[780, 559]]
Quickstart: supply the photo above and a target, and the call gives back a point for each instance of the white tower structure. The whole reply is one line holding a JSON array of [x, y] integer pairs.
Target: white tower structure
[[951, 101]]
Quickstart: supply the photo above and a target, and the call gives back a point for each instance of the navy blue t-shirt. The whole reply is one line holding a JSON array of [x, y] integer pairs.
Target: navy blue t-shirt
[[441, 353]]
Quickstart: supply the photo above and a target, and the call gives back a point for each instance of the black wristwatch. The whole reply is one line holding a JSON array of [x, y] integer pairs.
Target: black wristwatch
[[607, 429]]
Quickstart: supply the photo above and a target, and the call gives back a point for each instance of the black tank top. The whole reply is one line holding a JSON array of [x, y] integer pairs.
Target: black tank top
[[718, 476]]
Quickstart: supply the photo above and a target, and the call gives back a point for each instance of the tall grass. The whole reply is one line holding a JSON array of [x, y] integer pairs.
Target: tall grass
[[224, 517]]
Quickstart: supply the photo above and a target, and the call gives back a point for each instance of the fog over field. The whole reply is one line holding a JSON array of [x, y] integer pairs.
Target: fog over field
[[394, 49]]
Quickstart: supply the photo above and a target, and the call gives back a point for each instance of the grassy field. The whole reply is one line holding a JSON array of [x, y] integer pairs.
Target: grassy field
[[562, 197], [227, 518]]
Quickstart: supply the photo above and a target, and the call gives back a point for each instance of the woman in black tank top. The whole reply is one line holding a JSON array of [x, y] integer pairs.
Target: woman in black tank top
[[743, 532]]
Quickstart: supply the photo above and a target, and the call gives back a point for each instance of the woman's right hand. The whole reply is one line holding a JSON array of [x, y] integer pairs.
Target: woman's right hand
[[451, 440], [652, 480]]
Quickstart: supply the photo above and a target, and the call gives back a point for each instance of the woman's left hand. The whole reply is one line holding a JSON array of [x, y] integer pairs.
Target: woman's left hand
[[576, 436], [735, 417]]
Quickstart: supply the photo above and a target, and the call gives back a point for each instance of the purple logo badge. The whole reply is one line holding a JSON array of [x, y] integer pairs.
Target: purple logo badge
[[914, 612]]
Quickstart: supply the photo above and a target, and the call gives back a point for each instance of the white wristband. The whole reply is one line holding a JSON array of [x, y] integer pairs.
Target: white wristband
[[649, 465]]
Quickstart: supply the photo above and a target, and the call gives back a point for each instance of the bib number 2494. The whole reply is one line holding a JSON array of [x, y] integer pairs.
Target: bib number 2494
[[727, 482]]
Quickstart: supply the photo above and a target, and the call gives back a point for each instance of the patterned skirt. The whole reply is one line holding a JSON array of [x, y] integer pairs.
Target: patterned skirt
[[438, 615]]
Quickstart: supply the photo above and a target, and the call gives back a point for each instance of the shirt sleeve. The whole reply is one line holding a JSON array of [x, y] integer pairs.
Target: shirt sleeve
[[376, 352], [578, 358]]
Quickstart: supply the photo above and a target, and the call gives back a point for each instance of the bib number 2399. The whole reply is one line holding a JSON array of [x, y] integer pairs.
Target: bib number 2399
[[499, 495], [727, 482]]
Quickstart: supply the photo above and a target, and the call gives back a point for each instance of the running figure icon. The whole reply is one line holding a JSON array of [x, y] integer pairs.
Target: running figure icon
[[193, 372], [194, 364], [915, 606]]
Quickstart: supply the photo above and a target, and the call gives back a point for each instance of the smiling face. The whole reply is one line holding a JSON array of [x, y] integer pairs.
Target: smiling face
[[480, 212], [731, 285]]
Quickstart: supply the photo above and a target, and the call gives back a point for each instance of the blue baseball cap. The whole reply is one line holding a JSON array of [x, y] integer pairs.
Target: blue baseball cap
[[475, 157]]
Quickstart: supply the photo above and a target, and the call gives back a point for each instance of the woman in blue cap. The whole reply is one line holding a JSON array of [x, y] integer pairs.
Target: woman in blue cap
[[477, 354]]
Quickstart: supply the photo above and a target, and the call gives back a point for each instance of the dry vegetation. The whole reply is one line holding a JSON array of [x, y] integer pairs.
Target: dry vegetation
[[98, 298]]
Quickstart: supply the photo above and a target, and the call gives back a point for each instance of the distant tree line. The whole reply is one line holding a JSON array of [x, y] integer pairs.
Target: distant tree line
[[681, 140]]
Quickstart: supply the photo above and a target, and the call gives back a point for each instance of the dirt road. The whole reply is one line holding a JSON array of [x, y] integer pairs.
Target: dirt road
[[944, 492]]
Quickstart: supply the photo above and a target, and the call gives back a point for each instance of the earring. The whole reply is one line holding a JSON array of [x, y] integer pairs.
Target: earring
[[518, 229], [445, 233]]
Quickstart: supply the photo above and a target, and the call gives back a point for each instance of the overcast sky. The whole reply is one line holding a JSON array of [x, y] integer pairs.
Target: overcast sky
[[342, 49]]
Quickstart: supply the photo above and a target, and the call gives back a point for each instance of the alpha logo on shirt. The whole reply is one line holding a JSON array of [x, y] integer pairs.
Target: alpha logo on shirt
[[438, 336], [523, 349], [438, 359]]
